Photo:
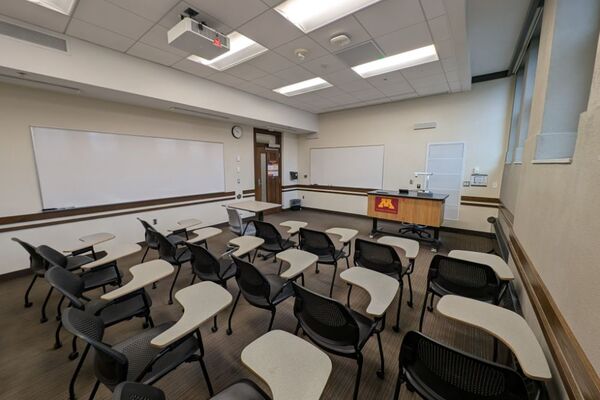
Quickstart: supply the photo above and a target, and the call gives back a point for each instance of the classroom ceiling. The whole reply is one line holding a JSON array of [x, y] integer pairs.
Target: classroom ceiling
[[139, 28]]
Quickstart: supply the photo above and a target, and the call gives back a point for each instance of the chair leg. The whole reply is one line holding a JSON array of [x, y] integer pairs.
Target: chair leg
[[280, 266], [381, 371], [202, 365], [73, 354], [495, 356], [193, 279], [76, 373], [215, 327], [229, 331], [149, 322], [410, 291], [302, 276], [58, 308], [273, 311], [44, 318], [347, 262], [396, 327], [398, 385], [94, 390], [297, 329], [254, 257], [27, 302], [430, 308], [145, 253], [173, 284], [423, 311], [359, 361], [333, 280], [349, 292], [317, 268], [57, 343]]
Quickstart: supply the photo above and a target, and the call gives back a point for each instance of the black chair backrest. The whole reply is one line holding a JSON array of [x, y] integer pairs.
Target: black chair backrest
[[166, 249], [267, 232], [454, 375], [68, 284], [376, 256], [149, 234], [52, 257], [36, 262], [254, 286], [316, 242], [203, 261], [325, 317], [137, 391], [110, 366], [462, 277]]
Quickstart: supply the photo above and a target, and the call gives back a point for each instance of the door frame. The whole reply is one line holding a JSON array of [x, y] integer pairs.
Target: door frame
[[278, 140]]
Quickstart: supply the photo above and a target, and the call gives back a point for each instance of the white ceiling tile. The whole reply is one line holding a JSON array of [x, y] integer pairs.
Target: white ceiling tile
[[270, 82], [325, 65], [231, 12], [154, 54], [246, 72], [152, 10], [455, 86], [429, 69], [343, 76], [396, 89], [194, 68], [272, 3], [433, 8], [355, 86], [449, 64], [390, 15], [295, 74], [270, 29], [31, 13], [157, 37], [427, 81], [174, 16], [251, 87], [108, 16], [99, 36], [440, 29], [404, 96], [435, 89], [348, 25], [226, 79], [391, 78], [452, 76], [271, 62], [406, 39], [368, 94], [287, 50], [445, 48]]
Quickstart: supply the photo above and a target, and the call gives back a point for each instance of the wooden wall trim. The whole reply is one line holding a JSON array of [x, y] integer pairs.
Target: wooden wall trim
[[16, 219], [578, 376], [109, 215], [478, 199]]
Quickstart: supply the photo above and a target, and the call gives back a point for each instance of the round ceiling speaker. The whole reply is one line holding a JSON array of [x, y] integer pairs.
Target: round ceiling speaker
[[340, 40]]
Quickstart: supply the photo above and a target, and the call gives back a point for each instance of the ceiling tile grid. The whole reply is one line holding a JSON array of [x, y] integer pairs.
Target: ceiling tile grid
[[139, 28]]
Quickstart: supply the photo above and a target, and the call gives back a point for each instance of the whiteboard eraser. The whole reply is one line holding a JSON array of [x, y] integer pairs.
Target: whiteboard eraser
[[425, 125]]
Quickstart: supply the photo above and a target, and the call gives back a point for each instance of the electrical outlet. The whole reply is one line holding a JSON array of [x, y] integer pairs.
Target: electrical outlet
[[154, 221], [410, 181], [466, 183], [239, 181]]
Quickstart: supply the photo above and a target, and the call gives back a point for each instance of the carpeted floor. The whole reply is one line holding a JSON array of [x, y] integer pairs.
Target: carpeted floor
[[31, 369]]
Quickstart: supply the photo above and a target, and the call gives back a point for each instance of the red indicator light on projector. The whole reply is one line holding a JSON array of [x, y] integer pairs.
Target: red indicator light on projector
[[217, 42]]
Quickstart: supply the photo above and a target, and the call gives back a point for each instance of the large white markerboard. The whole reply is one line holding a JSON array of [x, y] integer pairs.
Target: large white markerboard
[[82, 168], [359, 166]]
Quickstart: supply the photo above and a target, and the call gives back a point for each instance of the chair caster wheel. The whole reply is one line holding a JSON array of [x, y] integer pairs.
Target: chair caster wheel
[[170, 302], [229, 332], [396, 329], [214, 329], [410, 304], [145, 325], [430, 309], [28, 305], [380, 374], [43, 320], [317, 271], [57, 346], [73, 356]]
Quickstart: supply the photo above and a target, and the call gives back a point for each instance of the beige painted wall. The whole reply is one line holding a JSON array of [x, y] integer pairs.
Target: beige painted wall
[[556, 211], [480, 118], [22, 107]]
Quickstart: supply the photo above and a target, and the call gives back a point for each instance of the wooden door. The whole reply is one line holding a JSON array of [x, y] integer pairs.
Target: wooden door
[[267, 174]]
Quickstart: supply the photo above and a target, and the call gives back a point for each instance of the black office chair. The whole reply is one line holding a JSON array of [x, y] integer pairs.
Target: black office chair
[[71, 286], [320, 244], [335, 328], [243, 389], [438, 372], [97, 277], [151, 238], [176, 256], [207, 267], [262, 291], [274, 242], [384, 259], [133, 359], [463, 278], [38, 267]]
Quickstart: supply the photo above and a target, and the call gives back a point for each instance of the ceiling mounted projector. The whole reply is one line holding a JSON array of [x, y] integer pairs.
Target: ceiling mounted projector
[[196, 38]]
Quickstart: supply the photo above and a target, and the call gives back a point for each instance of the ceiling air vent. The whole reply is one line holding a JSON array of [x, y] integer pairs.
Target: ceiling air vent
[[360, 54], [31, 36]]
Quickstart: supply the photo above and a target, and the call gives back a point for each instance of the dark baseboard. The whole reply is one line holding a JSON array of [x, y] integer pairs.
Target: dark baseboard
[[14, 274]]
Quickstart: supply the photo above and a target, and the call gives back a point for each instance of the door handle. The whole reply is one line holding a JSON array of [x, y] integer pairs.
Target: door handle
[[259, 182]]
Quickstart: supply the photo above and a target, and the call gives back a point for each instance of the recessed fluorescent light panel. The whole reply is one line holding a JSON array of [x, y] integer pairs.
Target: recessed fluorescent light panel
[[303, 87], [407, 59], [309, 15], [61, 6], [241, 49]]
